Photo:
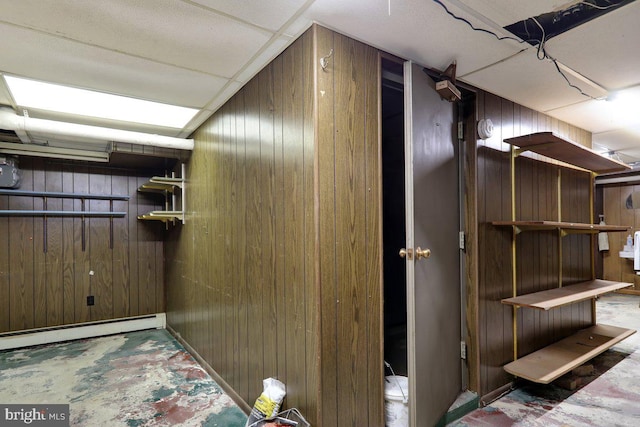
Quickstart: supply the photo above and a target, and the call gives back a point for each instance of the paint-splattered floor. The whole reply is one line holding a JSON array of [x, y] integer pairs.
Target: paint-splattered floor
[[609, 398], [141, 378]]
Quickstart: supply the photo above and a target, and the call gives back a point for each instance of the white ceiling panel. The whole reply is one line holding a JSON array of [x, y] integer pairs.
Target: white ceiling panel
[[594, 116], [271, 14], [264, 57], [57, 60], [507, 12], [532, 82], [619, 140], [170, 32], [605, 50], [418, 30]]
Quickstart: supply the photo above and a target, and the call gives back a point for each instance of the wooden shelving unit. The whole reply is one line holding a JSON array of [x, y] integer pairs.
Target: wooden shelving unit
[[173, 189], [549, 363]]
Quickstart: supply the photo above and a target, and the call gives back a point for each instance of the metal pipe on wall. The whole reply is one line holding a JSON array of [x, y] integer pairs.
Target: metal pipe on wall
[[11, 121]]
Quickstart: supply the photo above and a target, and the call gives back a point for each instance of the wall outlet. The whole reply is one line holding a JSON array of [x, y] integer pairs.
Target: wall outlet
[[90, 300]]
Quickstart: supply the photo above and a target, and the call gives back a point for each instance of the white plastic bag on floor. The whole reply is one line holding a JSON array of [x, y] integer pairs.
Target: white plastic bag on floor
[[268, 404]]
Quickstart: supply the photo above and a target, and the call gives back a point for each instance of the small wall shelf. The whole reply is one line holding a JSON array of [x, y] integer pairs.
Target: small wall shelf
[[550, 363], [557, 297], [565, 227], [173, 189], [551, 145]]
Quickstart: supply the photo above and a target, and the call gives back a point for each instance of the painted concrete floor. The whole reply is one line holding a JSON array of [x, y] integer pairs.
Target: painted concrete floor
[[610, 398], [135, 379]]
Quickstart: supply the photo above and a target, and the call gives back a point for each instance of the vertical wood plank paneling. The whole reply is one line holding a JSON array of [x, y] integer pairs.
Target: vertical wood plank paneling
[[53, 282], [254, 238], [120, 258], [294, 192], [268, 237], [133, 210], [312, 286], [279, 212], [99, 251], [241, 255], [325, 167], [21, 238], [349, 211], [81, 254], [5, 270], [39, 245], [68, 261], [373, 241]]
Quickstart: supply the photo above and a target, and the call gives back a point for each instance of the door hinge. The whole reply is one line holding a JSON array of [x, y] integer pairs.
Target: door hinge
[[461, 240], [463, 350], [461, 130]]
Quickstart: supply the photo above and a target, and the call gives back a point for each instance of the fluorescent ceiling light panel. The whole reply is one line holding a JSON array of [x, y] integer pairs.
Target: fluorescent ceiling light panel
[[47, 96]]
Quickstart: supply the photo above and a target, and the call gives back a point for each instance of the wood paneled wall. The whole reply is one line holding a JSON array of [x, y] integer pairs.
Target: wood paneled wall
[[538, 261], [350, 233], [44, 271], [616, 212], [241, 270], [276, 272]]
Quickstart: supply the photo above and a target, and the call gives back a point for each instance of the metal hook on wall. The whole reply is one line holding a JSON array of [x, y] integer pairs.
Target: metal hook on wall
[[324, 61]]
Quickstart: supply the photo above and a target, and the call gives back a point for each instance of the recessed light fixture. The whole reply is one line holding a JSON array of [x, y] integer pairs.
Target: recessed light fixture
[[52, 97]]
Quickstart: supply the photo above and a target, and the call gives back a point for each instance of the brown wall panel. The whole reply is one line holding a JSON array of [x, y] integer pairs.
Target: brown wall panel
[[43, 267], [240, 292], [347, 139], [291, 281], [615, 211]]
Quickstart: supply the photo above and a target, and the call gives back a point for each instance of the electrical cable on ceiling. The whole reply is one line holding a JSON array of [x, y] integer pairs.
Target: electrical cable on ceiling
[[595, 6], [541, 53]]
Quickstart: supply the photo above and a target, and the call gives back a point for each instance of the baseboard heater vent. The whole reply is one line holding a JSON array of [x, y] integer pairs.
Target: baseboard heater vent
[[77, 331]]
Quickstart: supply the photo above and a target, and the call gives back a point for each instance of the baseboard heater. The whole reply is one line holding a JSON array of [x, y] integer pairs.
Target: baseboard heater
[[31, 337]]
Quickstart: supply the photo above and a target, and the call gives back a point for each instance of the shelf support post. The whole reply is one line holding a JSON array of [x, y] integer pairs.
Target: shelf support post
[[515, 232]]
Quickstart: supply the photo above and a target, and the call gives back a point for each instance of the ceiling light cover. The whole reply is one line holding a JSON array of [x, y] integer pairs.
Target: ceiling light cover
[[52, 97]]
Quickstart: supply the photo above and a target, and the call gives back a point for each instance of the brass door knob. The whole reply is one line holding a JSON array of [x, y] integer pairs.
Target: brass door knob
[[406, 253], [422, 253]]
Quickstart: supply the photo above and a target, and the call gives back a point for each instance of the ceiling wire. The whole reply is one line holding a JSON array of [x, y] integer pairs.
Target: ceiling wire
[[541, 52]]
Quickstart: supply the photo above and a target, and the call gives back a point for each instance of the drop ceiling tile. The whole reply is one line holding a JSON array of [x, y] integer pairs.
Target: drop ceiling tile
[[271, 14], [53, 59], [171, 32], [269, 52], [416, 29], [605, 50], [619, 140], [535, 83], [602, 116]]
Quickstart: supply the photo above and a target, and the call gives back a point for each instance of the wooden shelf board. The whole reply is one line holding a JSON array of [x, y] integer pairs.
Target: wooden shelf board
[[163, 216], [549, 363], [557, 297], [556, 147], [161, 184], [569, 227]]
